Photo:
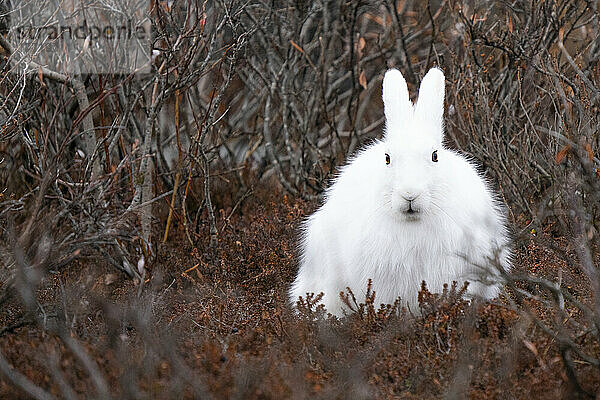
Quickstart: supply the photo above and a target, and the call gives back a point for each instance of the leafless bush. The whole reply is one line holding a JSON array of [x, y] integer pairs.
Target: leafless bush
[[80, 157], [513, 70], [81, 154], [534, 122]]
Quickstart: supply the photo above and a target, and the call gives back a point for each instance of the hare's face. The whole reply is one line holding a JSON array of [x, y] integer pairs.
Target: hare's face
[[413, 140], [412, 170]]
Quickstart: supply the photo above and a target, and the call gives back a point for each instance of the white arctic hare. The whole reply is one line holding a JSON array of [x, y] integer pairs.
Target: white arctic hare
[[403, 210]]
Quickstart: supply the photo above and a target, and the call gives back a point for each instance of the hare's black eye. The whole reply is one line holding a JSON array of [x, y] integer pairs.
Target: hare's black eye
[[434, 156], [387, 159]]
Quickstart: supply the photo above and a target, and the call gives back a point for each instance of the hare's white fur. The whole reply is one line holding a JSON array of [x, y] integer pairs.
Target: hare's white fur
[[407, 221]]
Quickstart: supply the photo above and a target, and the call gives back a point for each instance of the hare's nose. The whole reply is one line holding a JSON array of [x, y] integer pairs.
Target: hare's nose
[[410, 196]]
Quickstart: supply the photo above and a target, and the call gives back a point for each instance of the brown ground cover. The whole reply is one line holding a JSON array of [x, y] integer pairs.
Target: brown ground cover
[[217, 325]]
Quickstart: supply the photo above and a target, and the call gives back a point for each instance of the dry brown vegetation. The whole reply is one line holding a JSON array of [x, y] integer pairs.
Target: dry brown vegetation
[[149, 223], [224, 330]]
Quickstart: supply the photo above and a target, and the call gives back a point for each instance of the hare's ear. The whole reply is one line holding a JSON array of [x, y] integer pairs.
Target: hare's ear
[[430, 105], [396, 103]]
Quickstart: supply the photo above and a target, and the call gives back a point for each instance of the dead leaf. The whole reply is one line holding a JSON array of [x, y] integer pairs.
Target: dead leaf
[[561, 34], [569, 91], [361, 45], [590, 153], [562, 153], [362, 79]]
